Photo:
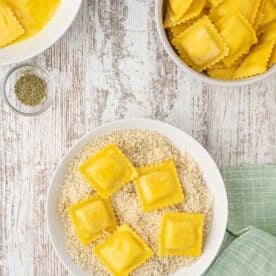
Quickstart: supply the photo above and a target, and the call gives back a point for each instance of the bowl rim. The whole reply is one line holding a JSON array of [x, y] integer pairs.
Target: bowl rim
[[194, 74], [220, 208], [50, 92], [50, 43]]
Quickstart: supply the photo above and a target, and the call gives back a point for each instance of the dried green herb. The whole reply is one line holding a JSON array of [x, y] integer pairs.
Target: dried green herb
[[30, 89]]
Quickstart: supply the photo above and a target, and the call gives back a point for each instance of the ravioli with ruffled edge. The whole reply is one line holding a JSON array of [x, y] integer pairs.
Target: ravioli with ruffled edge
[[158, 186], [10, 28], [108, 170], [91, 217], [181, 234], [123, 251]]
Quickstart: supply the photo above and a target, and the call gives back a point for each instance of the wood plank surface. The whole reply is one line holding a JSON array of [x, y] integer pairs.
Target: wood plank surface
[[111, 65]]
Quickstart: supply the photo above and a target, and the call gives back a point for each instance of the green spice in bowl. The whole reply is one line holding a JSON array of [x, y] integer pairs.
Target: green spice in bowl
[[27, 89]]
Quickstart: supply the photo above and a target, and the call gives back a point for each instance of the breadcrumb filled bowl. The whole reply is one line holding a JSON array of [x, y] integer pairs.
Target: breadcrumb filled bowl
[[65, 185], [184, 62]]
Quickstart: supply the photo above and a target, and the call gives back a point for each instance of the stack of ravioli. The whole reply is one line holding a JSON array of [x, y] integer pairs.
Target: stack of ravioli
[[226, 39], [10, 28], [157, 186], [23, 19]]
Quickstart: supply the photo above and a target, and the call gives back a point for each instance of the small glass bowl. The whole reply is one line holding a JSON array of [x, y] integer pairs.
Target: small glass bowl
[[10, 97]]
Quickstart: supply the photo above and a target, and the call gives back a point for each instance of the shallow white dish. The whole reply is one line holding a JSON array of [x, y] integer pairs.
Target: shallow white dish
[[183, 142], [171, 52], [33, 46]]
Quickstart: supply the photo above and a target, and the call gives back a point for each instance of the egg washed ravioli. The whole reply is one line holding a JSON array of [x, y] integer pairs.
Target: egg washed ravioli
[[222, 73], [181, 234], [248, 8], [201, 55], [108, 170], [91, 217], [177, 8], [256, 61], [238, 35], [10, 28], [123, 251], [193, 11], [158, 186], [33, 14]]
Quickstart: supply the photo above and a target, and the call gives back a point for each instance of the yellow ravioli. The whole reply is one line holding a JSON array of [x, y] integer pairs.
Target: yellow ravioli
[[269, 11], [238, 35], [10, 28], [208, 47], [193, 11], [176, 30], [215, 2], [33, 14], [91, 217], [259, 17], [256, 61], [248, 8], [222, 73], [123, 251], [108, 170], [177, 8], [269, 32], [272, 59], [181, 234], [158, 186]]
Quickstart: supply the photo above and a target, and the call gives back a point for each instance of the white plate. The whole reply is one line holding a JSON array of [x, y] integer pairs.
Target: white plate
[[33, 46], [183, 142]]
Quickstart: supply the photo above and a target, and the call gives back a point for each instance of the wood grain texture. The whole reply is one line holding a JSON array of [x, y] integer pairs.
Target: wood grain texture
[[111, 65]]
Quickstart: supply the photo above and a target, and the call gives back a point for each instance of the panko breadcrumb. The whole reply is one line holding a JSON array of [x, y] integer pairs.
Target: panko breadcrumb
[[142, 147]]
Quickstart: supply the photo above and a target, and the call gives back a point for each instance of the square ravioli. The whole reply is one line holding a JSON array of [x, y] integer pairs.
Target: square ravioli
[[108, 170], [256, 62], [181, 234], [123, 251], [222, 73], [238, 34], [10, 28], [248, 8], [91, 217], [177, 8], [193, 11], [158, 186], [208, 47]]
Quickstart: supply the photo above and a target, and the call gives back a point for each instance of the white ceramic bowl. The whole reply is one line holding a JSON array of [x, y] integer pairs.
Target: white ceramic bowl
[[171, 52], [183, 142], [33, 46]]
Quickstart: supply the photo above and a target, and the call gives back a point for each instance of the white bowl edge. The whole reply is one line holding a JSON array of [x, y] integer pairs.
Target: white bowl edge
[[194, 74], [208, 167]]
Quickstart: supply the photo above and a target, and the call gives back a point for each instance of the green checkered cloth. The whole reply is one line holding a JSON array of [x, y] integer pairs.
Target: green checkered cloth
[[249, 247]]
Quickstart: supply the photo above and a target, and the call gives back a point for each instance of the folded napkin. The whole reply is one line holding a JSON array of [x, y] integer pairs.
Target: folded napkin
[[249, 247]]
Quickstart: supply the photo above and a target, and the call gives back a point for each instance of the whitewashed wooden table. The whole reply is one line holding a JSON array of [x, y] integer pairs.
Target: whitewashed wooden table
[[111, 65]]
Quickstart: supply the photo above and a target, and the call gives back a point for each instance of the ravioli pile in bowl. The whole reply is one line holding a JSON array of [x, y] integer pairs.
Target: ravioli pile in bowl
[[22, 19], [226, 39]]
